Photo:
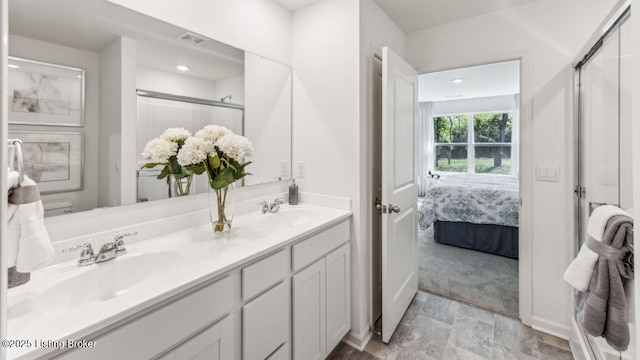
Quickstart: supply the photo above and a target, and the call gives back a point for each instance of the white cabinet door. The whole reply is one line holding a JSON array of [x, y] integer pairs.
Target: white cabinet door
[[338, 282], [266, 322], [309, 313], [215, 343], [282, 353]]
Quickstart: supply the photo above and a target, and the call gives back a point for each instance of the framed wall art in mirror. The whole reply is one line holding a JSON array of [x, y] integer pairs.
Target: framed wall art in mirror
[[45, 94], [52, 159]]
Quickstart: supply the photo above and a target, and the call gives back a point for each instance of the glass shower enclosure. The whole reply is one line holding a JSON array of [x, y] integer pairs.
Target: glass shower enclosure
[[159, 111], [604, 173]]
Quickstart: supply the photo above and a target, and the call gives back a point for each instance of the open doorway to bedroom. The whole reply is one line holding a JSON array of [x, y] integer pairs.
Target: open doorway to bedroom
[[467, 160]]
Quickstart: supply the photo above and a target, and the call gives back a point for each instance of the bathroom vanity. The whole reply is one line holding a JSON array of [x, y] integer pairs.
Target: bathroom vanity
[[278, 287]]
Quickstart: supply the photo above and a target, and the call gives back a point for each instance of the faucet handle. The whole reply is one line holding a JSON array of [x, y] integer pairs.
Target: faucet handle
[[264, 206], [278, 201], [119, 243], [118, 238], [86, 247], [87, 256]]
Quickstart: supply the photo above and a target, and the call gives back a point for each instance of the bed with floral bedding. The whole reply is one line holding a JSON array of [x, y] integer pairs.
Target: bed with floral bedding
[[474, 211]]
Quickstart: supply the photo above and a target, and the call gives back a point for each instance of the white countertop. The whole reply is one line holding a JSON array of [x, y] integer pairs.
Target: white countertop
[[200, 256]]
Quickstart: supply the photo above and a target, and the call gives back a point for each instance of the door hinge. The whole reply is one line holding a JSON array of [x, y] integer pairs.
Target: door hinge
[[580, 191], [375, 331]]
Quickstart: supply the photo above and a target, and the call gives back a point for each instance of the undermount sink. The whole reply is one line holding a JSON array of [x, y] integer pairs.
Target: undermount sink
[[290, 216], [98, 282]]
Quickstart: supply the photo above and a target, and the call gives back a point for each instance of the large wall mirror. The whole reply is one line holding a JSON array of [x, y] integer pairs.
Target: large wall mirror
[[90, 83]]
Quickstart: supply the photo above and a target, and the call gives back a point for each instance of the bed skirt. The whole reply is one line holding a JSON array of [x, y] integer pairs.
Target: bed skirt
[[493, 239]]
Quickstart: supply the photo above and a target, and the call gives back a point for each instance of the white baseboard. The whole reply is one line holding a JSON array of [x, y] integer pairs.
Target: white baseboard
[[358, 341], [551, 327]]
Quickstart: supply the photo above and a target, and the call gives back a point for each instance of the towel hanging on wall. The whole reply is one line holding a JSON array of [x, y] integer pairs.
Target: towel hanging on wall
[[603, 310]]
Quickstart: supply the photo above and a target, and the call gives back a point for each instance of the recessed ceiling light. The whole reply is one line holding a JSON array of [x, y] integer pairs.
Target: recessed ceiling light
[[457, 81], [182, 67], [13, 66]]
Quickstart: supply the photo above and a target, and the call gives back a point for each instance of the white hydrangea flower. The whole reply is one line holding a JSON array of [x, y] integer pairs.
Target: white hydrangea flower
[[213, 133], [160, 150], [175, 134], [194, 151], [235, 146]]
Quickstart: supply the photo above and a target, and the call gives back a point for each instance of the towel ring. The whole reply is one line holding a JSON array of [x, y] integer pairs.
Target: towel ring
[[17, 143]]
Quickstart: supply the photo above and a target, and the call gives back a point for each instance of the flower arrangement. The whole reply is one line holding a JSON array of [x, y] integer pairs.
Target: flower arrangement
[[220, 153], [163, 151]]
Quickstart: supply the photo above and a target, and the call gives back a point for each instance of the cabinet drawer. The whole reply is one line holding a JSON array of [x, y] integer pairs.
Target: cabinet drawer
[[141, 338], [266, 272], [211, 344], [281, 354], [319, 245], [266, 322]]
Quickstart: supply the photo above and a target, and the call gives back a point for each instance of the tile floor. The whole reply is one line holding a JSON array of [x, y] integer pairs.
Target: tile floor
[[435, 328]]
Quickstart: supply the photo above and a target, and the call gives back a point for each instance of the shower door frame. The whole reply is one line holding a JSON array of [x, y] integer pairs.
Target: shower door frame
[[619, 17]]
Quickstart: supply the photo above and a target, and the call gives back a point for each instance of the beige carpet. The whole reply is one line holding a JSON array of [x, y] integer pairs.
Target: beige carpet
[[484, 280]]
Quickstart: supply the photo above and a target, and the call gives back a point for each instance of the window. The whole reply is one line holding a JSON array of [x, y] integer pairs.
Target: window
[[473, 143]]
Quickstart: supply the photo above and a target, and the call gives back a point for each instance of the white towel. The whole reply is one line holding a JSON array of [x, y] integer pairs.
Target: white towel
[[29, 247], [12, 179], [579, 272]]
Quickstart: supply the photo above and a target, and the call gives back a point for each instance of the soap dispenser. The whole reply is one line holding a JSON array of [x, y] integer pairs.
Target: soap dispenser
[[293, 193]]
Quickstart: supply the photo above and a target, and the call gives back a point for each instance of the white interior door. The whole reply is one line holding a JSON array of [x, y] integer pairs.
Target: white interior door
[[399, 190]]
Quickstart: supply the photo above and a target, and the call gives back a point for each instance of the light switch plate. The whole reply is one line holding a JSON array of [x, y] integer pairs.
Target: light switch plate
[[548, 172], [284, 169], [300, 169]]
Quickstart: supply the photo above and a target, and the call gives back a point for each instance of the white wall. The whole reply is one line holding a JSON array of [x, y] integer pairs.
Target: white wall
[[551, 33], [332, 108], [268, 119], [88, 61], [260, 26], [117, 128], [233, 86], [326, 130], [484, 104], [175, 84]]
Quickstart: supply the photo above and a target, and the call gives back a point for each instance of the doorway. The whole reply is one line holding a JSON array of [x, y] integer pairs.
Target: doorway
[[468, 167], [488, 151]]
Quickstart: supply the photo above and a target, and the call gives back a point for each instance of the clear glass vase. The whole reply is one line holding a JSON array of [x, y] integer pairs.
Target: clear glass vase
[[221, 208], [179, 185]]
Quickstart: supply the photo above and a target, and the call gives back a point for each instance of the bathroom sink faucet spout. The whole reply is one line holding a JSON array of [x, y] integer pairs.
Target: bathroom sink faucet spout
[[108, 251]]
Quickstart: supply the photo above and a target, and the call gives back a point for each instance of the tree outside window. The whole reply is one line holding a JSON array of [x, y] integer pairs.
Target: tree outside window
[[474, 143]]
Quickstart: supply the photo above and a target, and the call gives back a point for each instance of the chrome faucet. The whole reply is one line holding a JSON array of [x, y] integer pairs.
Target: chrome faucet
[[108, 251], [275, 205], [112, 250], [271, 208]]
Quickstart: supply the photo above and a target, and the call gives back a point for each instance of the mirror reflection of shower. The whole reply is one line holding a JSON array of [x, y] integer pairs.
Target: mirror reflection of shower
[[159, 111]]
